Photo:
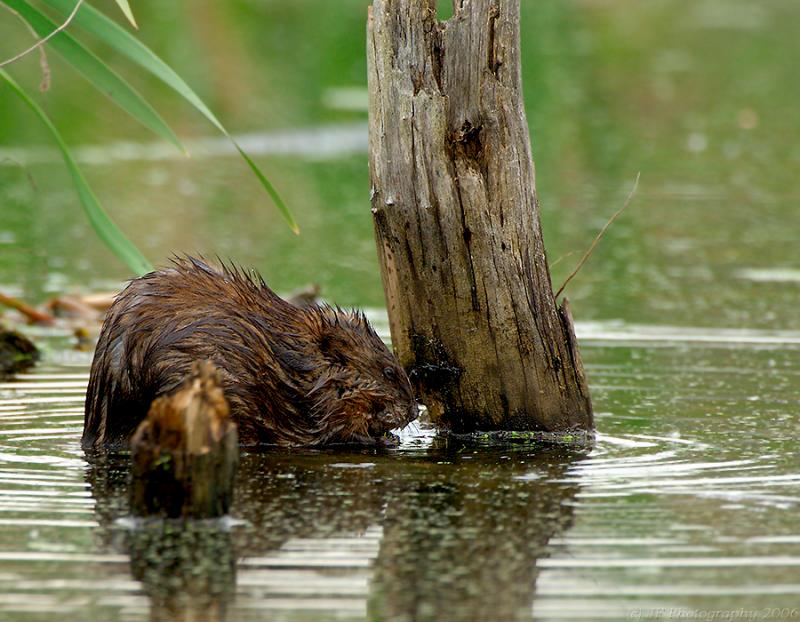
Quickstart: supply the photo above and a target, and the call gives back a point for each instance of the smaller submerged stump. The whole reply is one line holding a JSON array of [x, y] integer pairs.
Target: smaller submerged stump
[[184, 454], [17, 353]]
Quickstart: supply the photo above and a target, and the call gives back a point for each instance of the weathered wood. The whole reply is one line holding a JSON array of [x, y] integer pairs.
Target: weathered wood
[[184, 454], [471, 307]]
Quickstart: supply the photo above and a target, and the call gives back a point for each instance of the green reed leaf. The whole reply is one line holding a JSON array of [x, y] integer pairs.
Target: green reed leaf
[[108, 232], [126, 10], [112, 34], [100, 75]]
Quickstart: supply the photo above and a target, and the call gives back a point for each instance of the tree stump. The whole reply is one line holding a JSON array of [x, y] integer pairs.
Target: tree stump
[[184, 454], [471, 307]]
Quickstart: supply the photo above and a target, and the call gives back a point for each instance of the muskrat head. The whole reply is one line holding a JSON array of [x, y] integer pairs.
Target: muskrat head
[[361, 391]]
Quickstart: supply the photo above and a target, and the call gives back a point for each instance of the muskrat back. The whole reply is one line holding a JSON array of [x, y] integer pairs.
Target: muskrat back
[[293, 376]]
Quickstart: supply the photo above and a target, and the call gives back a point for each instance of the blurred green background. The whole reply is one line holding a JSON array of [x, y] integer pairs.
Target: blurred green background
[[700, 96]]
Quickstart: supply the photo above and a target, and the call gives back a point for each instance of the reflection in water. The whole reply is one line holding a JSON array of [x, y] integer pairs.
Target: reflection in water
[[461, 542], [187, 569], [459, 534]]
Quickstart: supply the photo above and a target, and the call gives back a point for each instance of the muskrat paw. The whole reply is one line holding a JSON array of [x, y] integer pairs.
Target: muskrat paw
[[388, 440]]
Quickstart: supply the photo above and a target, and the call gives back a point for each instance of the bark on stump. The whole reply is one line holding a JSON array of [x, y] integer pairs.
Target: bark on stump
[[471, 306], [184, 454]]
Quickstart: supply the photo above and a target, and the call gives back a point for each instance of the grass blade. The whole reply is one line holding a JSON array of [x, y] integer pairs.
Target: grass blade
[[120, 245], [112, 34], [126, 10], [100, 75], [269, 188]]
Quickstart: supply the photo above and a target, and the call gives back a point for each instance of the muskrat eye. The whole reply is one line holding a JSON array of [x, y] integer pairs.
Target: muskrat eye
[[389, 373]]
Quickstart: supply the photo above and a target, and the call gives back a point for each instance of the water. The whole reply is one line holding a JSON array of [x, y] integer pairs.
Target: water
[[686, 503], [686, 506]]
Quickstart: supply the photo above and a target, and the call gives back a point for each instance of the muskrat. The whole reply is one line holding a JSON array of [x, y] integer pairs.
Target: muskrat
[[293, 376]]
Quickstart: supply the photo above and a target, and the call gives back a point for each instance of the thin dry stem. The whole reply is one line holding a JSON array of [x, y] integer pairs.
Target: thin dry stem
[[44, 40], [562, 258], [599, 236]]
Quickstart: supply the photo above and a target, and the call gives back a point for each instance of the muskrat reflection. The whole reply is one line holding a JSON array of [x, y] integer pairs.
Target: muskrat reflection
[[461, 533]]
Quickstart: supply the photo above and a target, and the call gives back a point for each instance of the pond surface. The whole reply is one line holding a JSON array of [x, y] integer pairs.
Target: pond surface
[[687, 505]]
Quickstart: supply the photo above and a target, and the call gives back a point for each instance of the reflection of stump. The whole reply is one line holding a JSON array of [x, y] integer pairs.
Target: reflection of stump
[[187, 568], [185, 452], [17, 353], [463, 543]]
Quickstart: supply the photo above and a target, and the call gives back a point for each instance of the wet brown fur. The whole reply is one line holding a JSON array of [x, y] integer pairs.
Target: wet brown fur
[[292, 376]]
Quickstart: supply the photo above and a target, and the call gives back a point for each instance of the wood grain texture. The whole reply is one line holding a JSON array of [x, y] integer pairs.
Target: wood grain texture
[[471, 306], [184, 454]]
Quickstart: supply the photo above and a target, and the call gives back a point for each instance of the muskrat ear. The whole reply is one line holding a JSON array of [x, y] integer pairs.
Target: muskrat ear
[[333, 347]]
